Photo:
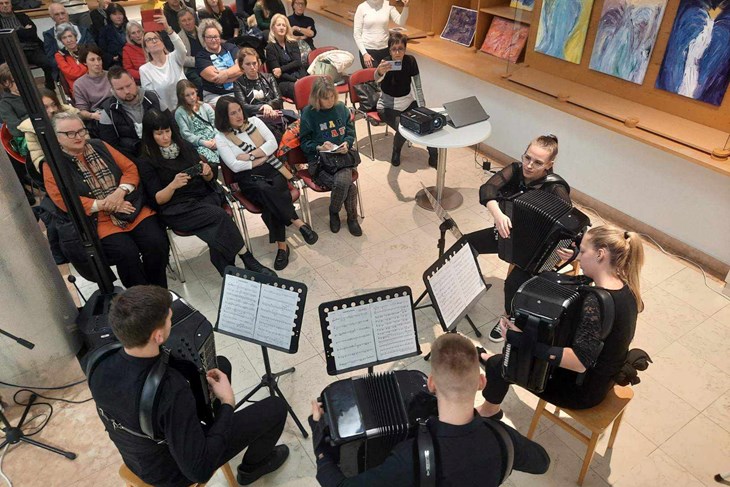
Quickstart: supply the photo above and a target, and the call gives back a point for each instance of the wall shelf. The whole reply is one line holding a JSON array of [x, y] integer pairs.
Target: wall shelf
[[509, 13]]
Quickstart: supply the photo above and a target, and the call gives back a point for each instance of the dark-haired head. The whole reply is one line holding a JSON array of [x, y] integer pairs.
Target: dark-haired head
[[115, 8], [157, 120], [139, 313], [397, 39], [87, 49], [222, 118]]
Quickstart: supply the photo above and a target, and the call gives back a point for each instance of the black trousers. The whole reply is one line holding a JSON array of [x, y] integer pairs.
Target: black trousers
[[38, 57], [287, 89], [377, 54], [258, 427], [147, 240]]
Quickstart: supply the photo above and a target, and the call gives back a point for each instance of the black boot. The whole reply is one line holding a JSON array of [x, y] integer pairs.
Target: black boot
[[398, 142], [251, 264], [433, 157], [334, 222]]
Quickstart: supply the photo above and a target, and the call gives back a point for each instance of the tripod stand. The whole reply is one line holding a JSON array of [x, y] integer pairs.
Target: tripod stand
[[270, 380], [15, 434]]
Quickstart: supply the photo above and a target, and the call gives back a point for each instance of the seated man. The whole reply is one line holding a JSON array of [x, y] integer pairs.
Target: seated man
[[28, 37], [468, 452], [121, 121], [140, 318], [188, 32], [51, 45]]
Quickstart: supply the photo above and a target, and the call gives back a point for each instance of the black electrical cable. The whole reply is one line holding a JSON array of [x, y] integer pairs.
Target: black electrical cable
[[44, 388]]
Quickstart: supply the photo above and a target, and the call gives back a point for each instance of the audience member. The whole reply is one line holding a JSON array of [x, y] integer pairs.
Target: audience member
[[91, 89], [51, 44], [372, 18], [401, 91], [133, 55], [468, 452], [67, 59], [302, 26], [99, 18], [164, 70], [214, 9], [182, 188], [247, 148], [612, 258], [28, 37], [108, 187], [141, 318], [326, 124], [216, 63], [172, 9], [283, 56], [78, 12], [264, 12], [113, 36], [189, 36], [12, 109], [121, 121], [196, 120]]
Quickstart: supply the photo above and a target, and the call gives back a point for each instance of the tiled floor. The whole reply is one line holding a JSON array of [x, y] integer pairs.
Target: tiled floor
[[676, 431]]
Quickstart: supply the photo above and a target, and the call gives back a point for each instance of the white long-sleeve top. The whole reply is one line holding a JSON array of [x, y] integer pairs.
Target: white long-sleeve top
[[230, 151], [371, 24], [163, 79]]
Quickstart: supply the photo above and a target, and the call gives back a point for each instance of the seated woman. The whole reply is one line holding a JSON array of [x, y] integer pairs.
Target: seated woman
[[185, 202], [325, 124], [12, 109], [216, 62], [246, 147], [91, 89], [105, 179], [613, 259], [196, 120], [98, 18], [401, 91], [283, 57], [67, 58], [302, 26], [264, 11], [164, 70], [259, 93], [214, 9], [133, 56], [113, 36]]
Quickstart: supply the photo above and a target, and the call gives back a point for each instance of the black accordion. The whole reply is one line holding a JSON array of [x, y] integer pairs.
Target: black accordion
[[546, 308], [367, 416], [541, 223]]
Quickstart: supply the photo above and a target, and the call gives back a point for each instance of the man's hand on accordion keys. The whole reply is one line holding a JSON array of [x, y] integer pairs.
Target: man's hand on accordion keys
[[220, 386]]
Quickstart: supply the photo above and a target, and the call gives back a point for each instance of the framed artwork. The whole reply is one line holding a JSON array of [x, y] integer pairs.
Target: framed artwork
[[561, 32], [697, 59], [505, 39], [523, 4], [626, 36], [461, 26]]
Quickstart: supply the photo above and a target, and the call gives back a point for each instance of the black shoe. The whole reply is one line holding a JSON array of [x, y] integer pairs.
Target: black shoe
[[275, 460], [496, 334], [395, 158], [335, 222], [250, 263], [354, 227], [309, 235], [433, 157], [282, 259]]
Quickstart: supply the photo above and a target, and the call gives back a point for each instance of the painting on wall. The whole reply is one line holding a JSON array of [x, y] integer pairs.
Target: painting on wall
[[505, 39], [523, 4], [697, 60], [461, 26], [561, 32], [626, 36]]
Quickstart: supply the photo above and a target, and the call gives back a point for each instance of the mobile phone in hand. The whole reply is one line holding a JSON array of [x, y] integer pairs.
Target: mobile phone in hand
[[395, 65], [195, 170]]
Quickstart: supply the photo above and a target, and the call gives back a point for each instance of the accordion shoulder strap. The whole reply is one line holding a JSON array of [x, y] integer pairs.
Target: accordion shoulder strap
[[505, 444], [426, 456]]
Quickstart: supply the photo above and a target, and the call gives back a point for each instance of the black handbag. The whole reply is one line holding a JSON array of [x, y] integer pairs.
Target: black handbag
[[369, 94], [331, 162], [136, 197]]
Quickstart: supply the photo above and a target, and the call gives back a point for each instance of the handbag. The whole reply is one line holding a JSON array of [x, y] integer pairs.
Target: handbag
[[369, 94], [331, 162], [136, 197]]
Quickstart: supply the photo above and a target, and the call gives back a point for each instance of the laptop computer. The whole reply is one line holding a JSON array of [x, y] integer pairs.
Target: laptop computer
[[467, 111]]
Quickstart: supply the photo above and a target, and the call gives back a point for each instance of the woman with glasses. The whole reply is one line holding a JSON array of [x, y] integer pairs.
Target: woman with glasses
[[108, 186], [216, 63], [302, 26], [214, 9], [163, 70], [370, 29], [534, 171]]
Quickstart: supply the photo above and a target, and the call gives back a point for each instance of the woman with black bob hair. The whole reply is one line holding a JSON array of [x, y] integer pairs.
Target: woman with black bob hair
[[183, 189]]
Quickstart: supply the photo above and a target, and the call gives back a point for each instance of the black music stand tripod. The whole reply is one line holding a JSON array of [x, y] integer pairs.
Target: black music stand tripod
[[270, 380]]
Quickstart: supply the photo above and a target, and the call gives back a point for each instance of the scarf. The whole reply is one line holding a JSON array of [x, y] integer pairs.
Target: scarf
[[97, 175], [170, 152], [258, 140]]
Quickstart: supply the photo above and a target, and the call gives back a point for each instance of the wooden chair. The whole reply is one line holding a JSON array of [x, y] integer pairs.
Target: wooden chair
[[131, 480], [596, 419]]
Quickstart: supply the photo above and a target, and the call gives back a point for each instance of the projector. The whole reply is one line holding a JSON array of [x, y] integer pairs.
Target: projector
[[422, 121]]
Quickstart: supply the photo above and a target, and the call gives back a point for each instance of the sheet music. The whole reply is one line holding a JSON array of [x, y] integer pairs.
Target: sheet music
[[393, 327], [238, 306], [277, 311], [351, 332], [457, 284]]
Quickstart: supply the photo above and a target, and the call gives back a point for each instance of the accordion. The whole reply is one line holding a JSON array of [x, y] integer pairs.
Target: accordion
[[367, 416], [547, 309], [541, 223]]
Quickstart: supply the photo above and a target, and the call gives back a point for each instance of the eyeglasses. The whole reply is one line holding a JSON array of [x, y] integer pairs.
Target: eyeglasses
[[152, 39], [75, 134], [397, 49], [529, 160], [212, 38]]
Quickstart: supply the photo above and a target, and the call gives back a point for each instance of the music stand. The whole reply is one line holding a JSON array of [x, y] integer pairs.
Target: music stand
[[368, 330], [267, 311]]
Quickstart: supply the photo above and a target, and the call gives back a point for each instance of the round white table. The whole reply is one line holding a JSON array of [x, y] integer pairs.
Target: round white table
[[446, 138]]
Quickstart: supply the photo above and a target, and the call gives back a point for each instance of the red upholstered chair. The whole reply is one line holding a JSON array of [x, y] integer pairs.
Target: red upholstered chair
[[372, 118], [5, 138], [342, 89], [302, 89]]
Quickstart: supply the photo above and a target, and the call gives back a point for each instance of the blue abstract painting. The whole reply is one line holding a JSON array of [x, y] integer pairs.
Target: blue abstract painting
[[625, 39], [697, 60], [562, 29]]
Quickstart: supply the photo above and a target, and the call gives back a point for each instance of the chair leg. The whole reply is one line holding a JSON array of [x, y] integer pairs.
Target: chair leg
[[175, 257], [246, 239], [359, 199], [536, 417], [306, 210], [228, 473], [589, 456], [372, 147], [614, 430]]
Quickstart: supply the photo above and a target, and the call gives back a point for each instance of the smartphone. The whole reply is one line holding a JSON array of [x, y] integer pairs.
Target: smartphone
[[395, 65], [149, 24], [195, 170]]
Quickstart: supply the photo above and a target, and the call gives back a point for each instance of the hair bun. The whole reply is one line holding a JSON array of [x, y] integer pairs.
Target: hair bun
[[626, 235]]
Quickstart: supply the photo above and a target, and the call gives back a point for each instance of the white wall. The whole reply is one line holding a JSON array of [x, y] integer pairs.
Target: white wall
[[681, 199]]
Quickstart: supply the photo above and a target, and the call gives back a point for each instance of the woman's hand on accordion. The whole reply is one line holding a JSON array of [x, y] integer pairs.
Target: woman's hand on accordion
[[503, 224], [506, 324], [220, 386]]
